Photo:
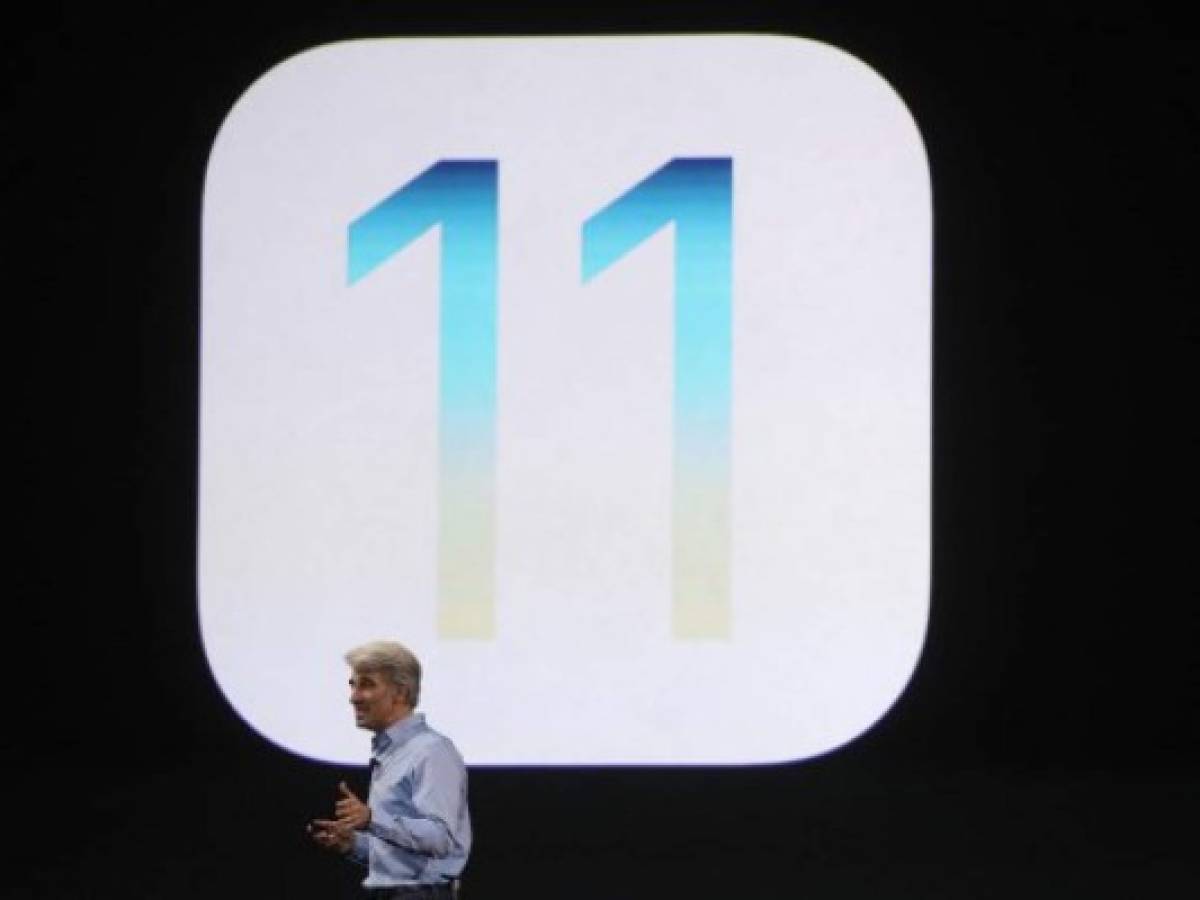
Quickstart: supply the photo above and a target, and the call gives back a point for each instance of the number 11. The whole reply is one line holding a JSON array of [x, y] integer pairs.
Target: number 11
[[461, 196]]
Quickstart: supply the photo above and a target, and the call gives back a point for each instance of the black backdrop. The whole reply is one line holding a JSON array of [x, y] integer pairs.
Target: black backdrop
[[1047, 745]]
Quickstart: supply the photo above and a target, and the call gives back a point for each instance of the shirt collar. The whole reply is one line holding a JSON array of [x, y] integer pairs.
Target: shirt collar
[[398, 733]]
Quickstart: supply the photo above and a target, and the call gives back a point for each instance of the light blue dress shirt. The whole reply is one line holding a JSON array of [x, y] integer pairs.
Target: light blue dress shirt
[[420, 830]]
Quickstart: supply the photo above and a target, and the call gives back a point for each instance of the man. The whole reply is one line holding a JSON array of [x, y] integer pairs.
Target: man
[[414, 833]]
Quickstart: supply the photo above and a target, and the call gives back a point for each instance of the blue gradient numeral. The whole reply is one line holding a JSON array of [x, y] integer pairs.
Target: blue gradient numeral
[[697, 195], [461, 196]]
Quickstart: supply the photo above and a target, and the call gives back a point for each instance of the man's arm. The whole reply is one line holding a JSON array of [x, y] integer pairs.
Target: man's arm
[[359, 851], [439, 795]]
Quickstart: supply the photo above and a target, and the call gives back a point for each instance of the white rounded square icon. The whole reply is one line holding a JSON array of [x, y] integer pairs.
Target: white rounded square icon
[[595, 370]]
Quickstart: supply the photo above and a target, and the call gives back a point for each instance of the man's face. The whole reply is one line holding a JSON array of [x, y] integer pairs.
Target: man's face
[[377, 701]]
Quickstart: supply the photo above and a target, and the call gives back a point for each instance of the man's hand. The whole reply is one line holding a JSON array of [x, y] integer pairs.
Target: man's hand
[[332, 835], [351, 812]]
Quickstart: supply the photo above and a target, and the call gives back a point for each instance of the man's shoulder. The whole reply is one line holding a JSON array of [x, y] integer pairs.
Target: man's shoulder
[[432, 740]]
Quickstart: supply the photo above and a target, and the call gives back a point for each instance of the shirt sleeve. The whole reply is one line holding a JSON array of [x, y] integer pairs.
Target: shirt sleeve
[[439, 796], [359, 852]]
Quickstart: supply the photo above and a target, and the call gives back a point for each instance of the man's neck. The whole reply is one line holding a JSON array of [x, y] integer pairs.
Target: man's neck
[[400, 717]]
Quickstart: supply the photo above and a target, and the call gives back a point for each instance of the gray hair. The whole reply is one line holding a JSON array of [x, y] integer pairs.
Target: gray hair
[[393, 660]]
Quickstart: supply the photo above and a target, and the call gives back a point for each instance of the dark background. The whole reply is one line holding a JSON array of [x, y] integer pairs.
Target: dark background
[[1047, 744]]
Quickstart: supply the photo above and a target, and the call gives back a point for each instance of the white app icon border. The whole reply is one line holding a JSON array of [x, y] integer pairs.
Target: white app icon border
[[319, 407]]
